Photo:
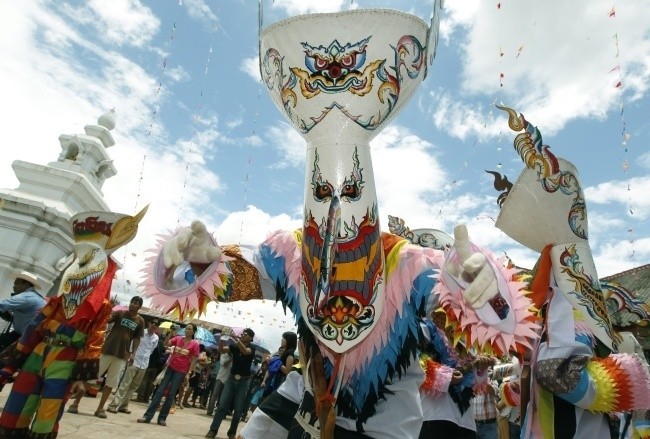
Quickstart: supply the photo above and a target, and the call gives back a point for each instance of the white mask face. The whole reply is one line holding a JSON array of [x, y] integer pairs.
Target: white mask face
[[339, 79], [546, 206], [82, 276], [343, 260]]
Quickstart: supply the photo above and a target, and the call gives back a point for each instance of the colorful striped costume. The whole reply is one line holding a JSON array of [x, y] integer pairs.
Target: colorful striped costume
[[53, 353], [574, 387]]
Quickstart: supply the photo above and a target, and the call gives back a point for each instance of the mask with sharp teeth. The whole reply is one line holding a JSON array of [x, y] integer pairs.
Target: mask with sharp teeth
[[82, 276], [96, 235]]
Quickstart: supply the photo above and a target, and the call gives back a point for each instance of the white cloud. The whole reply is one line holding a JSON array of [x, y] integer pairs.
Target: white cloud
[[124, 22], [201, 12], [631, 194], [546, 76], [251, 66], [295, 7], [460, 119], [177, 74], [644, 160], [407, 174], [621, 255], [289, 143], [253, 226]]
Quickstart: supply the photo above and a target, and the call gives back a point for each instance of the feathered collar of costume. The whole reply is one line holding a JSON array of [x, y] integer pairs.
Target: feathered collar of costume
[[191, 297], [387, 352]]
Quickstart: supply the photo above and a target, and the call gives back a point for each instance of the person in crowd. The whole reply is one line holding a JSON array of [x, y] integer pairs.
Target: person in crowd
[[135, 372], [197, 379], [21, 308], [183, 356], [512, 411], [120, 346], [485, 409], [211, 378], [236, 386], [222, 368], [157, 361], [281, 363], [202, 390], [255, 390], [509, 398]]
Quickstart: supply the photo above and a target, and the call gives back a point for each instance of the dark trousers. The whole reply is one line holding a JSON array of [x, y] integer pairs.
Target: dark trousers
[[146, 386], [233, 390], [214, 396], [209, 388], [440, 429]]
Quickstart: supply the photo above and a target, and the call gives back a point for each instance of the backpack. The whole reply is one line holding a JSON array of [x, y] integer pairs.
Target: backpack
[[275, 375], [275, 365]]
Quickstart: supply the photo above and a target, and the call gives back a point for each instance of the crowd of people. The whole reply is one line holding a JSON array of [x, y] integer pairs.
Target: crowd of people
[[476, 396]]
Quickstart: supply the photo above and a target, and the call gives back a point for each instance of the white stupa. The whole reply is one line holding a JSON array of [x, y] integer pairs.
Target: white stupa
[[34, 229]]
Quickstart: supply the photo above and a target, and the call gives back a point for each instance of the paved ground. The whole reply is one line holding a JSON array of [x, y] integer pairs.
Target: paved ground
[[186, 423]]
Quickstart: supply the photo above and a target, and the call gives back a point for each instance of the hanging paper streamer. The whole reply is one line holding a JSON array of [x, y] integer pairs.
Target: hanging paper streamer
[[250, 157], [197, 116], [170, 41], [150, 129], [625, 136], [501, 81]]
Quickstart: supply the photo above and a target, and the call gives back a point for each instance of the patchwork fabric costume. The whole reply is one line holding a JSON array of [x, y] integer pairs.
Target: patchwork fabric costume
[[577, 374], [63, 344]]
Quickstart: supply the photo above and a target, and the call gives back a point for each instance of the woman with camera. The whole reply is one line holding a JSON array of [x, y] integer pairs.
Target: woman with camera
[[183, 357]]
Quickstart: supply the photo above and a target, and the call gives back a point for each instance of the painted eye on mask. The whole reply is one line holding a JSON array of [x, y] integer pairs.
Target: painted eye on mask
[[321, 64], [348, 61], [350, 191], [322, 191]]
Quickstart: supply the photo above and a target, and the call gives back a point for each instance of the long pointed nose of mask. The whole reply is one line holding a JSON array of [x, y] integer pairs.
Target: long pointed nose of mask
[[328, 252]]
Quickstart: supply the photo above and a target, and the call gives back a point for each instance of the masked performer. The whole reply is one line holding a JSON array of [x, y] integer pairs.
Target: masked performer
[[577, 373], [359, 294], [60, 349]]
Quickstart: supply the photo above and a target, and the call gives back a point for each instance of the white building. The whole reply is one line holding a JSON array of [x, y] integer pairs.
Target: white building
[[34, 230]]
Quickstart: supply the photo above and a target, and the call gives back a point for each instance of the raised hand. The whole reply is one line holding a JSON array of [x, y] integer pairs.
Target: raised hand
[[472, 268]]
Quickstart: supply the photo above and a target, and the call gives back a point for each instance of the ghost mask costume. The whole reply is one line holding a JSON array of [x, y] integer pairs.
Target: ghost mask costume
[[63, 343], [577, 375], [358, 294]]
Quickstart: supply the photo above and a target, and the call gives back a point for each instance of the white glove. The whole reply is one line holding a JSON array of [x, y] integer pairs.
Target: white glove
[[472, 268]]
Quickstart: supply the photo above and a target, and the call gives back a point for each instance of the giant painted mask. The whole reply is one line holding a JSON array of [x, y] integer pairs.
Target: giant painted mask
[[339, 78], [546, 207], [96, 235]]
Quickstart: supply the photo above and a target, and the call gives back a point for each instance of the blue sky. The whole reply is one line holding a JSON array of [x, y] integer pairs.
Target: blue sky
[[194, 121]]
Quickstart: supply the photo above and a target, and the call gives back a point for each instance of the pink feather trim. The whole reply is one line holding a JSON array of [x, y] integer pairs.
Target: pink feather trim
[[413, 260], [190, 300], [437, 377], [482, 336]]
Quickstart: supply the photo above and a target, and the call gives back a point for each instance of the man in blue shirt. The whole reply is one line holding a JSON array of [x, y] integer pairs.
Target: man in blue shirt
[[23, 304]]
